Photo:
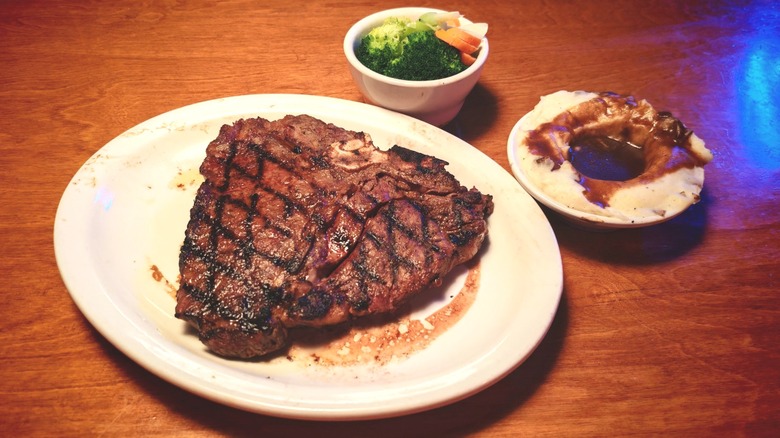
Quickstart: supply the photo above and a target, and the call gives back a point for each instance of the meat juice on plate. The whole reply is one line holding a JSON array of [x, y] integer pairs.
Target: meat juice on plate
[[382, 339]]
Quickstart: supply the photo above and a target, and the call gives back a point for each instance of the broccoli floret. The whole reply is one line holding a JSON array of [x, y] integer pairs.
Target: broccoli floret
[[425, 57], [403, 49], [389, 35]]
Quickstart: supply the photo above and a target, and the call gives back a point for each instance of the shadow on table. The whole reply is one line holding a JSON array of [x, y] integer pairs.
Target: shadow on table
[[655, 244], [477, 115]]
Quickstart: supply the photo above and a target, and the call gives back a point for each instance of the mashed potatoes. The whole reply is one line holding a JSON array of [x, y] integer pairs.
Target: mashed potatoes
[[673, 157]]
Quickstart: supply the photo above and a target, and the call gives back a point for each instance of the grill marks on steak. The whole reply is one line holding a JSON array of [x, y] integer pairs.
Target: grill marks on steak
[[299, 222]]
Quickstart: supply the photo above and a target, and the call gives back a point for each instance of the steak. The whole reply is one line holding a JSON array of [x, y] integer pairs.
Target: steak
[[303, 223]]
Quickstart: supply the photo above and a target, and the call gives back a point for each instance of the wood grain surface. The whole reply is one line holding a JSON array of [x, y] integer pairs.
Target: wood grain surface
[[671, 330]]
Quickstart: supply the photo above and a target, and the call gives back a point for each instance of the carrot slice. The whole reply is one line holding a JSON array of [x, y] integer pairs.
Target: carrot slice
[[444, 36], [467, 59], [465, 36], [453, 39]]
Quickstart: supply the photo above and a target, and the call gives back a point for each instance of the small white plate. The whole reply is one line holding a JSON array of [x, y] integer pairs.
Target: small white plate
[[121, 221], [593, 219]]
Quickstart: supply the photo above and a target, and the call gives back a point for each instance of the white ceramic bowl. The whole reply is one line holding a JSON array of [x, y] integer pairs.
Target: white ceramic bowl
[[436, 102]]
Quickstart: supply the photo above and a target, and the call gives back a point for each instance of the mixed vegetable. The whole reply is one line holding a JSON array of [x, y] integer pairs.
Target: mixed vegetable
[[434, 46]]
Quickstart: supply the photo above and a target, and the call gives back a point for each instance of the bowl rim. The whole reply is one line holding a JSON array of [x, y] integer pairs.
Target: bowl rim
[[365, 24]]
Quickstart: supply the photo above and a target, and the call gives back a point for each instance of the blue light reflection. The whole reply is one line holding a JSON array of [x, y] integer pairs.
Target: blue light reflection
[[758, 90]]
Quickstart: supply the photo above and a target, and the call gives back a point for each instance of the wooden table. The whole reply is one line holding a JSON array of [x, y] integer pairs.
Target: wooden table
[[669, 330]]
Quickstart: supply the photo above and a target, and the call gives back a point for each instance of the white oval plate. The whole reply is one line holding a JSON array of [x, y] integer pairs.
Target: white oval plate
[[127, 207]]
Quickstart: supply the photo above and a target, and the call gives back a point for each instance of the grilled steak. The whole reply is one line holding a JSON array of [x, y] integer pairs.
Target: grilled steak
[[303, 223]]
